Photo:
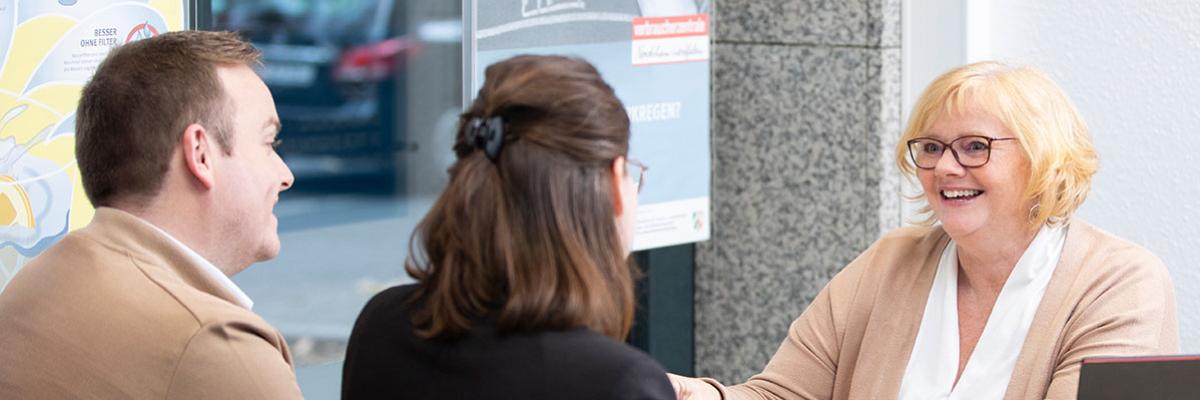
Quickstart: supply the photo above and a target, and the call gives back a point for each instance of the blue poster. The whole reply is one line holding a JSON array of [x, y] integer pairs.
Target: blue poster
[[655, 54]]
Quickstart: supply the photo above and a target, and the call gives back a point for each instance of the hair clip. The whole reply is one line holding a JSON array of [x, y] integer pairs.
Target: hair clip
[[487, 134]]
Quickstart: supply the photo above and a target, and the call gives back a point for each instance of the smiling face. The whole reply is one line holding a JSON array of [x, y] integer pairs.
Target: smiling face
[[250, 177], [982, 199]]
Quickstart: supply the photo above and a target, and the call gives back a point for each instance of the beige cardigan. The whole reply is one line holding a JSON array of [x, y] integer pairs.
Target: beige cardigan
[[1107, 297], [117, 311]]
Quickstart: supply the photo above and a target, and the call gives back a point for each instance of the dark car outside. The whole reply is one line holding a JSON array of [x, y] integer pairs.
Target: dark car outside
[[333, 68]]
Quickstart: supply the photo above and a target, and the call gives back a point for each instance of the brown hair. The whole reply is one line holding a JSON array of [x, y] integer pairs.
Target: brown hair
[[530, 238], [141, 98]]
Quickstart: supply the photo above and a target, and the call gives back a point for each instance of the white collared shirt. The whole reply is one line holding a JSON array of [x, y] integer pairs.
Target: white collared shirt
[[208, 269], [935, 354]]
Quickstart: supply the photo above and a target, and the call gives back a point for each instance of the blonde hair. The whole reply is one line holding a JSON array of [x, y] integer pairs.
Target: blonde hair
[[1035, 109]]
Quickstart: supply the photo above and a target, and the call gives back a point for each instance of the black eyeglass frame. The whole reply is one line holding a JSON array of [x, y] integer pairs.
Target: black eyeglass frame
[[913, 156]]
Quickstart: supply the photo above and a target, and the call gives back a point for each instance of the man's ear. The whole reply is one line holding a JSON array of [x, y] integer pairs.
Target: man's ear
[[198, 154], [618, 185]]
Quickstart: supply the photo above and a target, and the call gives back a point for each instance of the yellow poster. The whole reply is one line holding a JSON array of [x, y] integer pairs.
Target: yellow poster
[[48, 51]]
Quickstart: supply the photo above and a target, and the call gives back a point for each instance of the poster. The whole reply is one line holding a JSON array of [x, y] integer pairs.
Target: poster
[[655, 54], [48, 51]]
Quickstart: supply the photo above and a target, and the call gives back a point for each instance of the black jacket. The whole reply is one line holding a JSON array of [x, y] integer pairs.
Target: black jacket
[[386, 360]]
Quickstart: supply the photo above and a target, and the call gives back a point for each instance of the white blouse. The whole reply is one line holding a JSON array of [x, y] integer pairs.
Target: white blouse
[[934, 360]]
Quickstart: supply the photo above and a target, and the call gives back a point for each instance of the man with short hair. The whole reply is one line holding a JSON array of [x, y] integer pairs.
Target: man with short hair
[[175, 141]]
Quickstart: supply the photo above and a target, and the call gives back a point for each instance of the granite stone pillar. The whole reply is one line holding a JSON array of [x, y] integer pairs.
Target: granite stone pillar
[[806, 111]]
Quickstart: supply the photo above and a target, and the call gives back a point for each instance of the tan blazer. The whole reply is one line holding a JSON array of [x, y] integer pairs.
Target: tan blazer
[[1107, 297], [117, 311]]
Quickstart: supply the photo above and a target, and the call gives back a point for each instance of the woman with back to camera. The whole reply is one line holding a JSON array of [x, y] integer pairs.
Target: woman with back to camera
[[1004, 297], [524, 289]]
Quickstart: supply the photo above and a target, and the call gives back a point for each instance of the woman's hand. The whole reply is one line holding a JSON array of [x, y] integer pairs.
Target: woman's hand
[[692, 389]]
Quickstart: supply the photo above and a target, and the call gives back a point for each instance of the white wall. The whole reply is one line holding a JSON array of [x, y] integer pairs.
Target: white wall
[[1133, 70], [934, 39]]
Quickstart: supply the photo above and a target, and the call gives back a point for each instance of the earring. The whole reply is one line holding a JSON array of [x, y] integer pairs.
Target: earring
[[1033, 212]]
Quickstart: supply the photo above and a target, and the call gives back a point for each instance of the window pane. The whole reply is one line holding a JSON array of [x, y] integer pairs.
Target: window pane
[[368, 92]]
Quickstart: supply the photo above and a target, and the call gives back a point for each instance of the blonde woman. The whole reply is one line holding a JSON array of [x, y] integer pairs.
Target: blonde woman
[[1002, 297]]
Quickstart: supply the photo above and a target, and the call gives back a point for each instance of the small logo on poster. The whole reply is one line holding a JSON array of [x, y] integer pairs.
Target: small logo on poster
[[664, 40], [141, 31], [533, 8]]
